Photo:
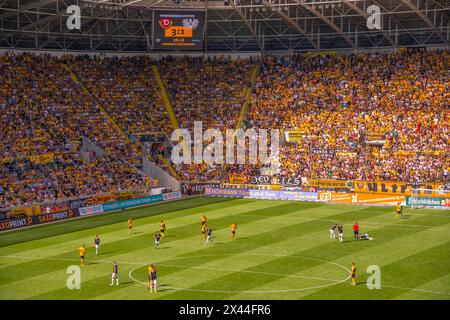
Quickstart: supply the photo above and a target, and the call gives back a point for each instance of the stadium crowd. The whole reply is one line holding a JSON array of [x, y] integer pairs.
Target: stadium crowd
[[360, 116], [343, 104], [43, 111], [23, 183], [208, 90], [126, 88]]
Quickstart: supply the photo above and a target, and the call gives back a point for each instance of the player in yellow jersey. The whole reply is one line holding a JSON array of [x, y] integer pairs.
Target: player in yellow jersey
[[82, 251], [162, 228], [233, 228], [130, 225], [353, 274], [204, 219], [151, 270], [398, 210], [204, 228]]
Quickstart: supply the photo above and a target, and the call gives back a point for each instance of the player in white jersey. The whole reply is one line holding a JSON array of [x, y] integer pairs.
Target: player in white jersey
[[365, 236], [115, 274], [333, 227], [157, 239], [341, 232], [97, 244], [209, 236]]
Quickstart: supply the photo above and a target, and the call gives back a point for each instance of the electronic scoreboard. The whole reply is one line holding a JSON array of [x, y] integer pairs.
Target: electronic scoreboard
[[178, 30]]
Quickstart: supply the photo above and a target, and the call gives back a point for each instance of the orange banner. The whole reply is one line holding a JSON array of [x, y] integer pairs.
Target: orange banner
[[237, 178], [338, 197], [361, 198], [380, 199]]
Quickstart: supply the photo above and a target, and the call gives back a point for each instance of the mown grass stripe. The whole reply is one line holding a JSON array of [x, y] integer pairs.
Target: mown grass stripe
[[84, 223], [266, 231], [392, 245], [280, 263], [141, 242], [283, 208], [111, 234]]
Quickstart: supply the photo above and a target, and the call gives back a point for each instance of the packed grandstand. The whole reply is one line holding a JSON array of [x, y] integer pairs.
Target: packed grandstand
[[363, 116]]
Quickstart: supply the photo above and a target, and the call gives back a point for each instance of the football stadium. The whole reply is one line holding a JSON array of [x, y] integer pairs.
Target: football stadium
[[225, 150]]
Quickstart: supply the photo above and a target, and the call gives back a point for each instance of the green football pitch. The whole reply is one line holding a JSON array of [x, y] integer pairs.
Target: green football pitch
[[282, 250]]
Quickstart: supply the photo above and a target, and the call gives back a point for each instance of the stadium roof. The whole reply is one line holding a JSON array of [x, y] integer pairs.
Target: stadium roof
[[231, 25]]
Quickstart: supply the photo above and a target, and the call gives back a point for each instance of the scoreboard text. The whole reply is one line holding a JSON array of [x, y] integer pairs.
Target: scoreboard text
[[175, 30]]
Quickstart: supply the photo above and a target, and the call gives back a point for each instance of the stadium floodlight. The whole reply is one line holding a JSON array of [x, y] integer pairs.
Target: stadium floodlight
[[428, 198]]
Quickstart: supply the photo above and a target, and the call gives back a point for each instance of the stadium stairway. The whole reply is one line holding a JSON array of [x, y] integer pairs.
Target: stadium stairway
[[244, 109], [248, 90], [173, 118], [102, 110], [169, 167]]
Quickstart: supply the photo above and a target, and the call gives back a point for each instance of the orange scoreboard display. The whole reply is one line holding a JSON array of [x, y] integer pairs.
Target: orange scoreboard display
[[178, 30]]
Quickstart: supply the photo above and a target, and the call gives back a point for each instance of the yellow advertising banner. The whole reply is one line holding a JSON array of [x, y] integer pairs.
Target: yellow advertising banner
[[431, 153], [329, 183], [42, 158], [251, 186], [31, 211], [374, 136], [295, 135], [411, 153], [346, 154], [392, 187], [237, 178], [404, 153], [380, 199], [361, 198], [338, 197], [319, 53], [6, 160]]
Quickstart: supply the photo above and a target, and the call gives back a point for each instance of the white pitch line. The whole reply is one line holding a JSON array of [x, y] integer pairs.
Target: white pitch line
[[176, 266], [224, 291], [419, 290], [238, 291], [140, 264], [335, 282]]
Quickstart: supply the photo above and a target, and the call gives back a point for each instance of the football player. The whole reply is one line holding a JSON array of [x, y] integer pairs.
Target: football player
[[97, 244], [398, 210], [151, 278], [82, 251], [341, 232], [353, 274], [209, 236], [115, 274], [162, 229], [157, 239], [130, 225], [333, 227], [233, 228]]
